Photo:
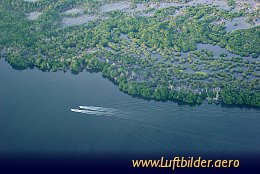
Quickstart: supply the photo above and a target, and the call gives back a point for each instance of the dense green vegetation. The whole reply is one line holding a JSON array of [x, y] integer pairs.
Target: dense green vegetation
[[155, 57], [231, 2]]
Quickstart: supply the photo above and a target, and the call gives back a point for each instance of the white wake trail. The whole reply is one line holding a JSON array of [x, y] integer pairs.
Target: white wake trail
[[91, 112], [100, 109]]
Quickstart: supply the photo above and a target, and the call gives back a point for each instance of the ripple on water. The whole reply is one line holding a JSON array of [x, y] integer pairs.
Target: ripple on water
[[189, 125]]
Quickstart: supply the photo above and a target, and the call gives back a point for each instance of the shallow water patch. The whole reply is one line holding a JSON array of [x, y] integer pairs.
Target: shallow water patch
[[73, 11], [34, 15], [69, 21], [115, 6], [237, 23]]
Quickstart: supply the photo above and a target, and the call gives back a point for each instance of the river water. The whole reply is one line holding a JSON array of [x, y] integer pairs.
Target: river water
[[36, 117]]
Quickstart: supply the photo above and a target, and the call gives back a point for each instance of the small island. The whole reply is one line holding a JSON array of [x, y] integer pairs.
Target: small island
[[186, 50]]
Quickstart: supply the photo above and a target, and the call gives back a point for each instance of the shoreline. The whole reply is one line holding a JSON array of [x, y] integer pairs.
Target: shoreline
[[139, 96]]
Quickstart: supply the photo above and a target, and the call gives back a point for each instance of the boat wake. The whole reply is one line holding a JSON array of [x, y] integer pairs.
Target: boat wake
[[93, 110]]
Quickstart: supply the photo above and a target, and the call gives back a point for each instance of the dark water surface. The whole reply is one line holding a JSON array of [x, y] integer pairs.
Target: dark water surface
[[36, 117]]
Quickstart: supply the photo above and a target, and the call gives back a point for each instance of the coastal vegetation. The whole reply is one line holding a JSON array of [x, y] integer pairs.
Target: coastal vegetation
[[158, 53]]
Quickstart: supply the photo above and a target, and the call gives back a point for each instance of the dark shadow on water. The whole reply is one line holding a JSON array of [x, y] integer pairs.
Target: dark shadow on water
[[178, 102], [244, 106], [19, 68], [93, 71]]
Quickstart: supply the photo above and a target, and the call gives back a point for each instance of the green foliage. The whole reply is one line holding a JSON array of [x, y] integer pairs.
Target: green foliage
[[151, 61], [245, 42]]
